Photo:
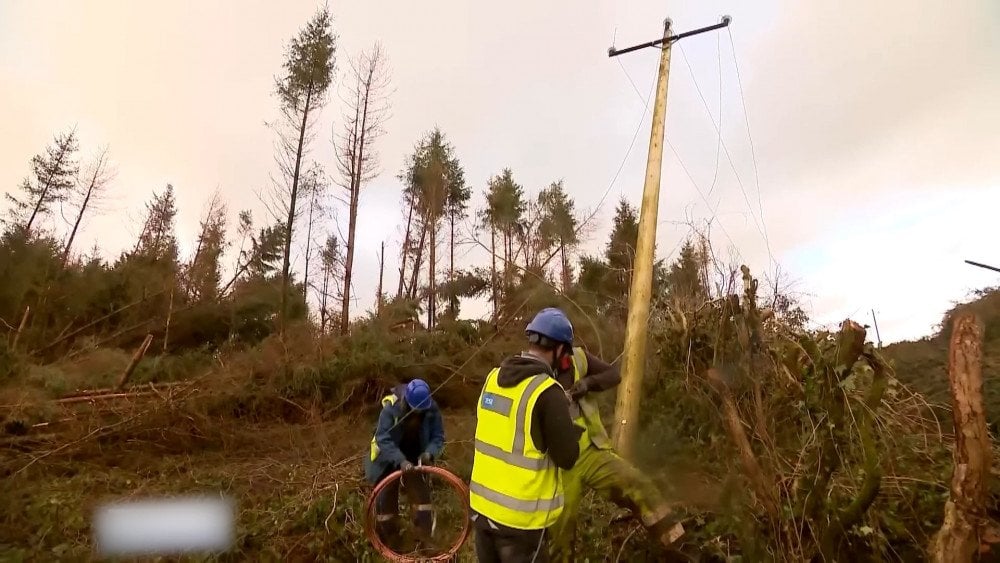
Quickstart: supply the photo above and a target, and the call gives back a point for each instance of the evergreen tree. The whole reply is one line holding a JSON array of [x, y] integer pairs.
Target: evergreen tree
[[558, 227], [504, 214], [157, 241], [53, 176], [205, 271], [434, 179], [309, 63]]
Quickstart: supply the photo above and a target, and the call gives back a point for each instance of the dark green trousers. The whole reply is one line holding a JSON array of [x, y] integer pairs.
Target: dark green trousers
[[612, 477]]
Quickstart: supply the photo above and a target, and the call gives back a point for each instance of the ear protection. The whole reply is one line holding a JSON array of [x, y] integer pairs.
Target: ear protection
[[565, 362]]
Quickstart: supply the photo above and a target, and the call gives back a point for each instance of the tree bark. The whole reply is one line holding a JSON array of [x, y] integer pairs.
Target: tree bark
[[309, 230], [136, 358], [964, 512], [381, 274], [452, 299], [76, 226], [406, 252], [418, 261], [352, 223], [20, 327], [565, 266], [432, 276], [97, 182], [286, 261], [323, 312], [493, 273], [762, 486]]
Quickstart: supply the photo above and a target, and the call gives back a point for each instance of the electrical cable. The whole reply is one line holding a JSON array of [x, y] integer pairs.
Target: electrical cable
[[729, 157], [684, 167], [746, 118], [456, 483]]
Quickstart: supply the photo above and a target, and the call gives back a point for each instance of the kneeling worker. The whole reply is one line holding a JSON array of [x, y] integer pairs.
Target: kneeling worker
[[525, 438], [410, 431], [599, 468]]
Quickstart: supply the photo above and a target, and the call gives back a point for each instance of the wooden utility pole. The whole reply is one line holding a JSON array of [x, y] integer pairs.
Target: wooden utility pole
[[627, 404]]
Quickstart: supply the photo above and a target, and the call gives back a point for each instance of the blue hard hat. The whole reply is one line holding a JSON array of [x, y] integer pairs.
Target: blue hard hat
[[552, 324], [418, 394]]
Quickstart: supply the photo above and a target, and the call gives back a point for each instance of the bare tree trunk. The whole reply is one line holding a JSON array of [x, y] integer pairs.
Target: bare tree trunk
[[406, 251], [95, 184], [142, 234], [418, 261], [357, 162], [751, 466], [170, 314], [432, 277], [451, 269], [493, 277], [565, 267], [345, 313], [964, 512], [20, 327], [323, 303], [381, 275], [289, 225], [309, 230], [136, 358]]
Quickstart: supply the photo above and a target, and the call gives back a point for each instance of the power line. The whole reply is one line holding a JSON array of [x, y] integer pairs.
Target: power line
[[684, 167], [746, 117], [729, 157], [631, 144], [718, 144]]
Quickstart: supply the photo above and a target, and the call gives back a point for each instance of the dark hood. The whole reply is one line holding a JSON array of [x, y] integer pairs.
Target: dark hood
[[515, 369]]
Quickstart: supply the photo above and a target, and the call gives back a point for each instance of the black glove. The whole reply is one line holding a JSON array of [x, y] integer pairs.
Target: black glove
[[426, 458], [579, 389], [406, 466]]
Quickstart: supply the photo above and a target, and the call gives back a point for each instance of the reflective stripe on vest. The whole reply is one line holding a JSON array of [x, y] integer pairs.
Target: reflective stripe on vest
[[386, 401], [513, 483], [584, 412]]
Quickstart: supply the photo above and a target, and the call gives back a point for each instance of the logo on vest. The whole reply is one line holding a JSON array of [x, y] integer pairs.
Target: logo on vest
[[488, 400]]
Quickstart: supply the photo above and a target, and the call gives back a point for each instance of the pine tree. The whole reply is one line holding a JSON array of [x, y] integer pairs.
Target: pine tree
[[330, 256], [432, 174], [558, 227], [309, 64], [504, 213], [53, 175], [458, 209], [685, 278], [205, 271], [157, 241]]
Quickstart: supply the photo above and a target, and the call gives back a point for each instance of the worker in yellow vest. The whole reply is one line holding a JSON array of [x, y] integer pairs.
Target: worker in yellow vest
[[525, 440], [599, 468]]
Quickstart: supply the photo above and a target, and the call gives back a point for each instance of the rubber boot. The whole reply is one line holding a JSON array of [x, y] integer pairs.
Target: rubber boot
[[389, 532], [664, 541], [424, 524]]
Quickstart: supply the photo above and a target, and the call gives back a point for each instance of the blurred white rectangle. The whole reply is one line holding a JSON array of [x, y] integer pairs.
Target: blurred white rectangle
[[165, 526]]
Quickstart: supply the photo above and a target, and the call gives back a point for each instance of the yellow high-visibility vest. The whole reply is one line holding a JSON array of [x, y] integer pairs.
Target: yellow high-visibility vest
[[386, 401], [584, 412], [513, 483]]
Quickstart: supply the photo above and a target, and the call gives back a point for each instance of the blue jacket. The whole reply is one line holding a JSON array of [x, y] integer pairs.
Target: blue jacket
[[385, 453]]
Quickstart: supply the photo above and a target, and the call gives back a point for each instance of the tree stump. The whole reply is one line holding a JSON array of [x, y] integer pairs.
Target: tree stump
[[964, 514]]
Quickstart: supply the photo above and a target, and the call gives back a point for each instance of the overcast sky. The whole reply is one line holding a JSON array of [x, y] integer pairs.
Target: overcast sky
[[875, 125]]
